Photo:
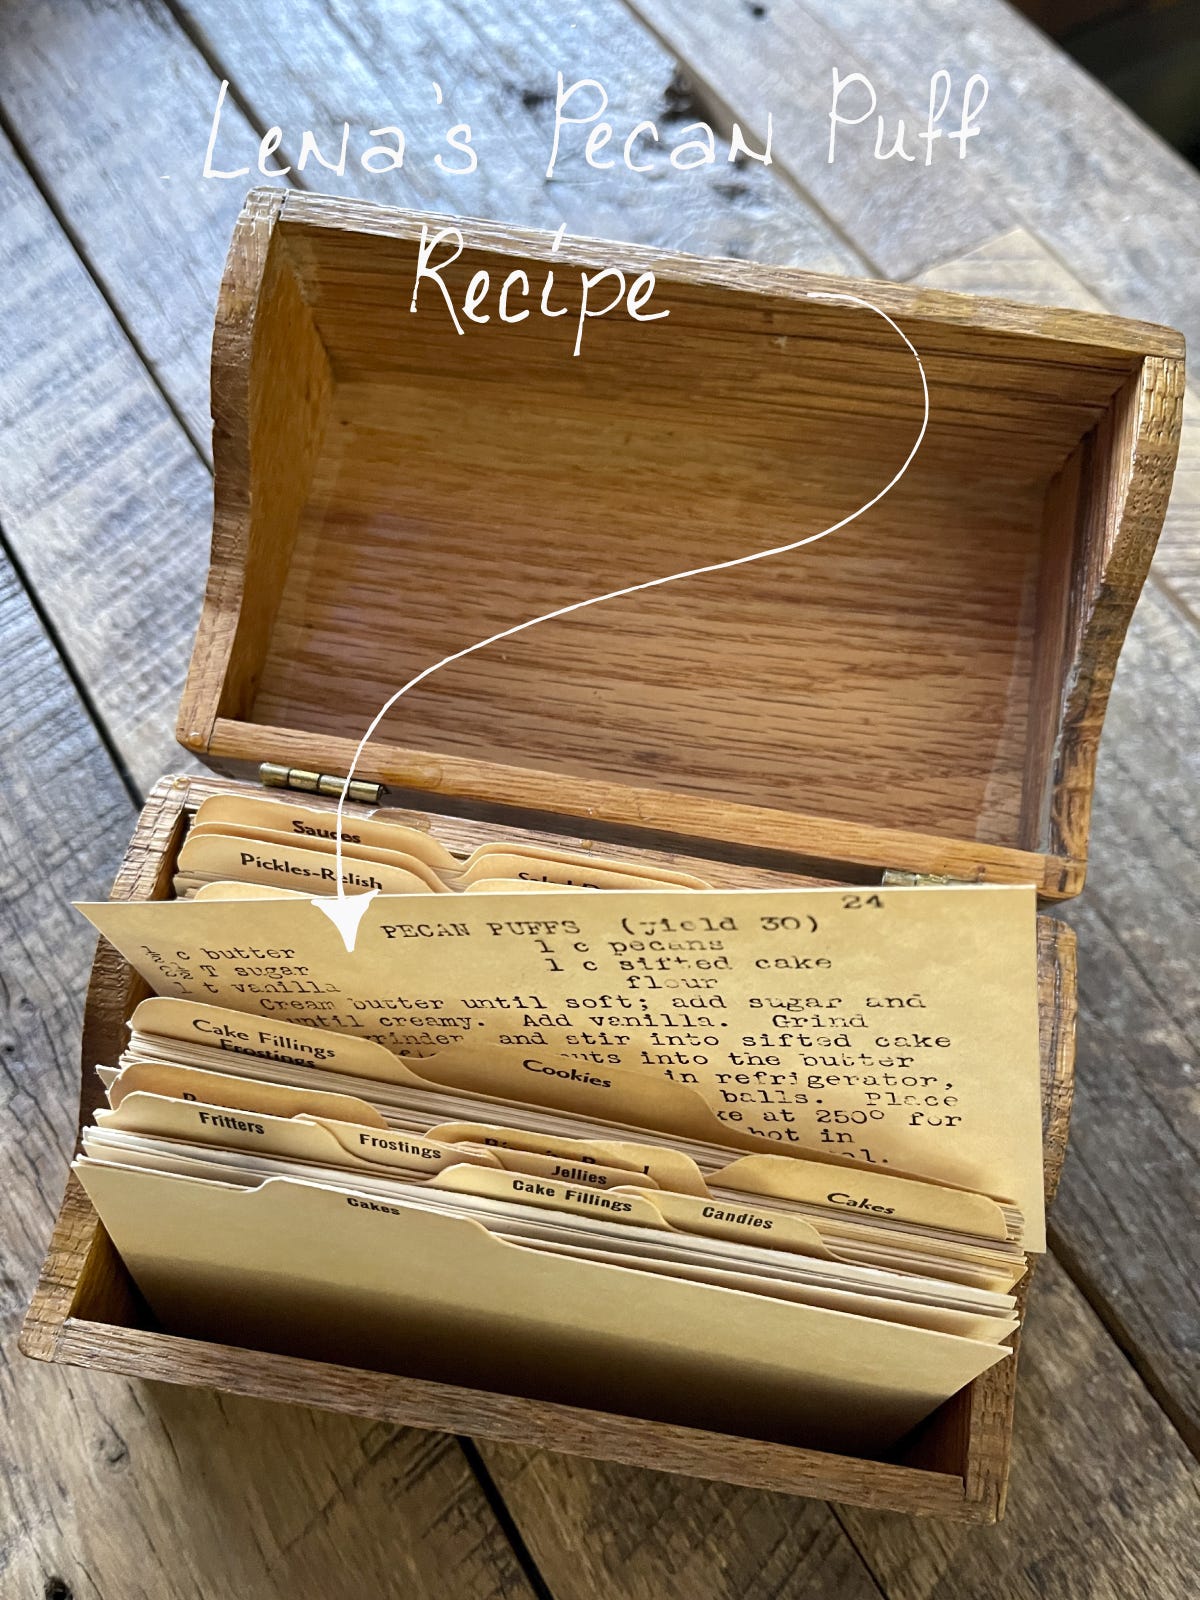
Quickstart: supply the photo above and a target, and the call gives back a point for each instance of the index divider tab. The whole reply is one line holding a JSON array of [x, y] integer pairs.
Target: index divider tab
[[585, 1174], [392, 1147], [668, 1169], [432, 880], [310, 822], [240, 1094], [555, 875], [515, 886], [549, 1194], [772, 1230], [611, 1094], [863, 1191], [246, 1033], [210, 855], [644, 872], [558, 869], [323, 1141], [229, 889], [333, 1276]]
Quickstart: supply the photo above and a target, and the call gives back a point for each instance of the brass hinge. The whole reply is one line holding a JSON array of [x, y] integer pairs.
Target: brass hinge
[[277, 777]]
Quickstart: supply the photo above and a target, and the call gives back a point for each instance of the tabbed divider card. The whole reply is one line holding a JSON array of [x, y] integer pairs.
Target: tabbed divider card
[[267, 844], [884, 1219], [897, 1027], [434, 1293]]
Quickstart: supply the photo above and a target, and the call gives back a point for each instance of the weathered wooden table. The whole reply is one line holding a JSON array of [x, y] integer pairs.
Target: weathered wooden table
[[111, 246]]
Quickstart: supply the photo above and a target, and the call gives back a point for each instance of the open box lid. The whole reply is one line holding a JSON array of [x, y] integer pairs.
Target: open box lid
[[921, 691]]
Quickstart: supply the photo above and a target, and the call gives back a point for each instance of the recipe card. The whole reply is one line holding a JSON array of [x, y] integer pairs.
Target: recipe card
[[896, 1026]]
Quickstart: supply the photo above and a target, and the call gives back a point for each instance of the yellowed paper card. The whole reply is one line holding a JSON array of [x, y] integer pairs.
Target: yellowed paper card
[[897, 1027], [738, 1224], [667, 1169], [324, 1140], [869, 1192], [531, 864], [244, 1094], [241, 1033], [326, 847], [299, 1267], [260, 812], [214, 856], [247, 891]]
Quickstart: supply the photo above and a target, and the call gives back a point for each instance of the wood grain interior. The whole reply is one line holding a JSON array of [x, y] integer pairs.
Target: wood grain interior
[[901, 674]]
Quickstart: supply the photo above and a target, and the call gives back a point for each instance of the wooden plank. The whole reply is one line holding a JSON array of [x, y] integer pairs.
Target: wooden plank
[[1014, 265], [124, 163], [1056, 152], [780, 58], [597, 1529], [1101, 1503], [146, 120], [115, 1489], [1100, 1507], [102, 498], [1124, 1219], [1178, 560], [1070, 163], [497, 66]]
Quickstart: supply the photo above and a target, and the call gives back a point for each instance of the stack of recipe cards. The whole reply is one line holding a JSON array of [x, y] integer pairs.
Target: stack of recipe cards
[[249, 840], [763, 1161]]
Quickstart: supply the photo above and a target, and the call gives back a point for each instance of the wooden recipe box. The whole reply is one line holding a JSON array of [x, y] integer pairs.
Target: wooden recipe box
[[921, 693]]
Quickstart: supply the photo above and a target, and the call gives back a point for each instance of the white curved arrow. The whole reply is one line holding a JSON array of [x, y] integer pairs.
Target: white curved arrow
[[346, 911]]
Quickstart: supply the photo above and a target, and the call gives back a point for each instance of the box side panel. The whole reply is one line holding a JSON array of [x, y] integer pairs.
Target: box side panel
[[976, 1426], [271, 387], [519, 797], [539, 1424], [1125, 470], [81, 1265]]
